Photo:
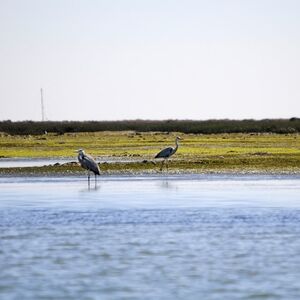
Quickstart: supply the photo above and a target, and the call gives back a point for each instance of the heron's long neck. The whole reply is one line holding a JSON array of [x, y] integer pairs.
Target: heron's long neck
[[80, 156], [176, 147]]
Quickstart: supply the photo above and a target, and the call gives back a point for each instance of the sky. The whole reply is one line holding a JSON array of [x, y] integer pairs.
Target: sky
[[149, 59]]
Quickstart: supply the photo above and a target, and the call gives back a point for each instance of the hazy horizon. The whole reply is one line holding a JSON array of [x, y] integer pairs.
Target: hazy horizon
[[150, 60]]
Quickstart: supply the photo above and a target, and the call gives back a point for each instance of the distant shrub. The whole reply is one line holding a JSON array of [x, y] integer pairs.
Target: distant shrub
[[187, 126]]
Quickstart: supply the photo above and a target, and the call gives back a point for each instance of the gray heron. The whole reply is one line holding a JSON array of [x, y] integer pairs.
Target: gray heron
[[87, 162], [167, 153]]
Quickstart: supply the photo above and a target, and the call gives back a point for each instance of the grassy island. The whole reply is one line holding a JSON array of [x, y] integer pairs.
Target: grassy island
[[133, 152]]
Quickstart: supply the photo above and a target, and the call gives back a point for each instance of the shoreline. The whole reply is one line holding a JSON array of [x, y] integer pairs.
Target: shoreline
[[63, 172]]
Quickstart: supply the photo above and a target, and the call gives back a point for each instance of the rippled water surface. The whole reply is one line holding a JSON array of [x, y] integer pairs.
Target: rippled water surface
[[177, 237]]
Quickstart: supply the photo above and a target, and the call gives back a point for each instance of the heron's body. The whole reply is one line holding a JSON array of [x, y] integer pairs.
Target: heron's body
[[87, 162], [167, 152]]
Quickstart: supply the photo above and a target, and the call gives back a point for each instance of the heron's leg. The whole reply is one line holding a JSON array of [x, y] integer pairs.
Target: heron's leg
[[89, 176], [167, 164], [162, 163]]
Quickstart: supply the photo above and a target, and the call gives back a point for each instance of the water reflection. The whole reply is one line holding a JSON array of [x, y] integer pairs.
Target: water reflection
[[145, 192], [91, 187], [168, 184]]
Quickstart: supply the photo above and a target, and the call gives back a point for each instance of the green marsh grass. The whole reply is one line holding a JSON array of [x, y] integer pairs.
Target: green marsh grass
[[197, 152]]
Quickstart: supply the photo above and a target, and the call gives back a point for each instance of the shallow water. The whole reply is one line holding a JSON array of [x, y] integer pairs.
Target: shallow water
[[39, 162], [177, 237], [31, 162]]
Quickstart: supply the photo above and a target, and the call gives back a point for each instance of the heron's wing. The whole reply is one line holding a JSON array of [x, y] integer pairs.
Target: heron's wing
[[90, 164], [165, 152]]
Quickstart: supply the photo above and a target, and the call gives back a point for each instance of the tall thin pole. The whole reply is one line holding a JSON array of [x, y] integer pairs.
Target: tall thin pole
[[42, 106]]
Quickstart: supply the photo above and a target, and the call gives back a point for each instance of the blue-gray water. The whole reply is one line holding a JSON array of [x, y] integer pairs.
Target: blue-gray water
[[182, 237], [38, 162]]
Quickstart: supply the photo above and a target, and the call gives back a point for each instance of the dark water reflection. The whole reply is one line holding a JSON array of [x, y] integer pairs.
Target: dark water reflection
[[193, 237]]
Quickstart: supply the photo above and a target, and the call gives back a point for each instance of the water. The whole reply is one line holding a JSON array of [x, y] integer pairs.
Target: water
[[31, 162], [39, 162], [182, 237]]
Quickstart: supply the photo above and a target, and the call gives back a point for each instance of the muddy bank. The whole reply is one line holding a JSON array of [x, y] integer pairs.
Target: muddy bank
[[140, 168]]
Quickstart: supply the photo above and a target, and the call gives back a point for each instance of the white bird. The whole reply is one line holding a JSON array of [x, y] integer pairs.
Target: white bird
[[87, 162], [167, 153]]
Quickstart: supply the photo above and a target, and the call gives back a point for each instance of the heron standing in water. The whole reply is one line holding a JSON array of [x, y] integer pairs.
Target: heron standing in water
[[167, 152], [88, 163]]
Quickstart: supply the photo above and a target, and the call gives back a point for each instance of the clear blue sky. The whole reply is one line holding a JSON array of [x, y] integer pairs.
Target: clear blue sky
[[156, 59]]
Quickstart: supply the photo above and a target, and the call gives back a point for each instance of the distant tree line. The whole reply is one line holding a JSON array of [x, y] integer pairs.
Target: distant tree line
[[187, 126]]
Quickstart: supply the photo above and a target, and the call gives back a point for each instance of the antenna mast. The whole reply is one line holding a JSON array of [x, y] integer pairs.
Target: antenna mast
[[42, 106]]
